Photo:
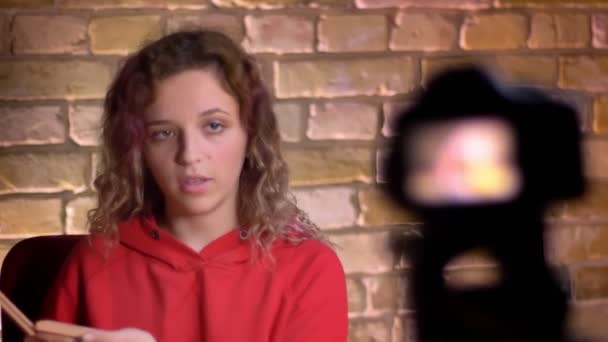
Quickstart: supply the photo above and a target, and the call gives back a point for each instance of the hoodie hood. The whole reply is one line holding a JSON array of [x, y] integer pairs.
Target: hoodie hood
[[144, 236]]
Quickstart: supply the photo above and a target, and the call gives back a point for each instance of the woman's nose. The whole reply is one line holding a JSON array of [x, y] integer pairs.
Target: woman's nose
[[190, 150]]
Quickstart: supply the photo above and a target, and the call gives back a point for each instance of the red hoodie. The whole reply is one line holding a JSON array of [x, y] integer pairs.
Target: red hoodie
[[151, 281]]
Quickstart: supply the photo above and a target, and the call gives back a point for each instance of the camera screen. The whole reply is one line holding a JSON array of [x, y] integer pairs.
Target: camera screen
[[462, 162]]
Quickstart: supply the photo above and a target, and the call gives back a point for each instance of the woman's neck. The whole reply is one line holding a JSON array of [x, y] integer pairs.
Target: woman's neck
[[197, 231]]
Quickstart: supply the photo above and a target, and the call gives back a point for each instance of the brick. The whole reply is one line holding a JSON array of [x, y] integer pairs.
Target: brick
[[123, 34], [279, 33], [550, 30], [290, 118], [596, 158], [591, 282], [600, 115], [331, 78], [231, 25], [431, 67], [494, 32], [388, 292], [536, 70], [580, 101], [85, 124], [368, 253], [32, 125], [106, 4], [475, 258], [368, 331], [403, 329], [563, 278], [352, 33], [572, 243], [16, 219], [378, 210], [4, 35], [459, 4], [599, 29], [473, 269], [550, 3], [424, 32], [76, 214], [342, 121], [588, 73], [96, 169], [268, 4], [329, 166], [49, 172], [5, 246], [190, 4], [472, 277], [382, 156], [356, 294], [592, 206], [391, 111], [26, 4], [588, 320], [266, 70], [329, 208], [56, 34], [53, 79]]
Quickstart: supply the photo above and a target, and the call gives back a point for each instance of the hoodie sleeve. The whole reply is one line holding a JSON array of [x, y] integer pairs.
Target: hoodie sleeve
[[320, 306]]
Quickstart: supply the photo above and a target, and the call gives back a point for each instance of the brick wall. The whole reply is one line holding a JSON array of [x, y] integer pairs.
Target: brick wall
[[337, 69]]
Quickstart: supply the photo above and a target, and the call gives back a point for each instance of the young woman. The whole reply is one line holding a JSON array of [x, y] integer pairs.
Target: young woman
[[195, 237]]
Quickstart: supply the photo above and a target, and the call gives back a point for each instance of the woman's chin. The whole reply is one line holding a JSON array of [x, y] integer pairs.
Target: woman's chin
[[195, 206]]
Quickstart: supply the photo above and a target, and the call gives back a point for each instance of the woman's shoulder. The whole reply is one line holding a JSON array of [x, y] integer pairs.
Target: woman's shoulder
[[309, 246], [92, 251], [303, 239], [311, 270], [308, 254]]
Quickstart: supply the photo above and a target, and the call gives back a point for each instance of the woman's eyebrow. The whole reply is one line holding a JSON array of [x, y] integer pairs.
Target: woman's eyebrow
[[213, 111], [201, 114], [157, 122]]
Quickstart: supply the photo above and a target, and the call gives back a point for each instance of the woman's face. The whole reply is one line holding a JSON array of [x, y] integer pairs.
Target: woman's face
[[195, 143]]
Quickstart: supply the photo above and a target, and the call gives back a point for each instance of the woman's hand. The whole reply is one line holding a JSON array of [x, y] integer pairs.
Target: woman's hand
[[122, 335], [43, 337]]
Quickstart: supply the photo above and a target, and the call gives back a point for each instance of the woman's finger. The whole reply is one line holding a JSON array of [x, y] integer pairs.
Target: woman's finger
[[43, 337], [122, 335]]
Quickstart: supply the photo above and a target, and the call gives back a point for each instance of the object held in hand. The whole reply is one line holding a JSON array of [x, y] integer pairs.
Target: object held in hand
[[46, 327]]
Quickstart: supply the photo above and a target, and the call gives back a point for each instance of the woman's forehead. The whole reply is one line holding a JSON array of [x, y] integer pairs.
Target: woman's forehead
[[190, 92]]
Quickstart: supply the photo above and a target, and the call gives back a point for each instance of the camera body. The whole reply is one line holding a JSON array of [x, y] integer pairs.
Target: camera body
[[479, 162]]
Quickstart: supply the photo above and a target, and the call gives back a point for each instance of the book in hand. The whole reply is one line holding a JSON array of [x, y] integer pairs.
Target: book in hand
[[47, 329]]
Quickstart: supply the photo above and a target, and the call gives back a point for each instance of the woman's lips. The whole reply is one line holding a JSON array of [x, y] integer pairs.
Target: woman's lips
[[194, 185]]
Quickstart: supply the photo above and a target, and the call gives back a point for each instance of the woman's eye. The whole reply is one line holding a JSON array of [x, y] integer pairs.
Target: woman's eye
[[162, 135], [215, 127]]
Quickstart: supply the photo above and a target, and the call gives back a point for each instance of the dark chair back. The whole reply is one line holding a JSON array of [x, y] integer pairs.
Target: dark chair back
[[28, 273]]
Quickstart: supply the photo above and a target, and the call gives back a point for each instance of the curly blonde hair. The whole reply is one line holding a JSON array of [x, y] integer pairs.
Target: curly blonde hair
[[125, 187]]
